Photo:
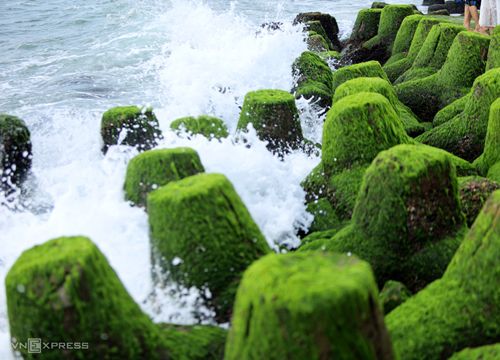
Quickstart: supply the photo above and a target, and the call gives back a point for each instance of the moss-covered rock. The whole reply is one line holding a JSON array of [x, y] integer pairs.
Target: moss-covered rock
[[130, 125], [155, 168], [494, 50], [366, 69], [464, 135], [474, 191], [316, 43], [461, 308], [15, 151], [208, 126], [308, 306], [357, 128], [204, 235], [407, 218], [449, 112], [325, 217], [274, 116], [390, 20], [433, 53], [313, 79], [330, 56], [488, 352], [328, 22], [64, 290], [404, 38], [382, 87], [491, 154], [393, 294], [395, 69], [315, 184], [466, 60], [494, 172], [315, 28], [366, 25]]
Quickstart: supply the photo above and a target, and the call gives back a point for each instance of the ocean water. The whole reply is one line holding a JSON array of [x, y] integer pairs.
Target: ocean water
[[62, 64]]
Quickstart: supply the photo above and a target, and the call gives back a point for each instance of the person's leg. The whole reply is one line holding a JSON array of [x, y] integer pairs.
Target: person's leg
[[467, 17], [474, 14]]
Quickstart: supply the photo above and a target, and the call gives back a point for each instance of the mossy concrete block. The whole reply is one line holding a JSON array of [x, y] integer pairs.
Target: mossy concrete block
[[343, 188], [155, 168], [396, 68], [325, 217], [404, 37], [494, 50], [365, 69], [65, 291], [208, 126], [274, 116], [130, 125], [494, 172], [379, 5], [316, 43], [393, 294], [382, 87], [308, 306], [313, 79], [390, 20], [315, 184], [488, 352], [474, 191], [449, 112], [328, 22], [466, 61], [204, 236], [433, 53], [357, 128], [491, 154], [15, 151], [366, 25], [315, 27], [465, 134], [407, 219], [461, 309]]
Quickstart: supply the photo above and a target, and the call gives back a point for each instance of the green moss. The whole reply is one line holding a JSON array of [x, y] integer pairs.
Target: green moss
[[408, 203], [466, 60], [390, 21], [315, 184], [494, 52], [140, 125], [488, 352], [328, 22], [357, 128], [396, 68], [196, 342], [365, 69], [433, 53], [208, 126], [204, 235], [460, 309], [313, 78], [393, 294], [404, 37], [65, 291], [491, 154], [287, 306], [449, 112], [494, 172], [155, 168], [322, 235], [274, 116], [329, 56], [325, 217], [316, 42], [366, 25], [464, 135], [382, 87], [343, 189], [474, 191], [15, 151], [315, 27]]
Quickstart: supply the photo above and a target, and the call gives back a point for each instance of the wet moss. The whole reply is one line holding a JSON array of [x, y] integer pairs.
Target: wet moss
[[204, 236], [139, 125], [491, 154], [404, 37], [208, 126], [474, 191], [155, 168], [328, 22], [494, 172], [15, 151], [466, 60], [494, 52], [460, 309], [488, 352], [449, 112], [325, 217], [274, 116], [365, 69], [287, 306], [393, 294], [315, 27], [366, 25], [464, 135]]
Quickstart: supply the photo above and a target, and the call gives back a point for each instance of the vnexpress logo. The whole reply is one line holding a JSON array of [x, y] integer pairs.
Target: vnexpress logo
[[35, 346]]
